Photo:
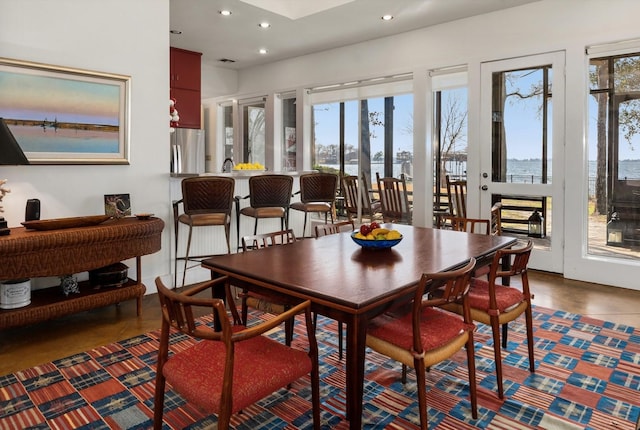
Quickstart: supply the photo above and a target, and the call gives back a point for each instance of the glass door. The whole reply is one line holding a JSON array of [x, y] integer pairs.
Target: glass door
[[522, 151]]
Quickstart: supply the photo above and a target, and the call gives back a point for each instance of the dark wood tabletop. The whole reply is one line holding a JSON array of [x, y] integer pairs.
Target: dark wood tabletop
[[353, 285]]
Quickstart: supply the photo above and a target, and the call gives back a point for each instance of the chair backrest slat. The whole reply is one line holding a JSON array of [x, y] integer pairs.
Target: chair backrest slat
[[338, 227], [259, 241]]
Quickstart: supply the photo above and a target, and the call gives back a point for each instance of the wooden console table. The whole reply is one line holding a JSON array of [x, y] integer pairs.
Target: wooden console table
[[29, 254]]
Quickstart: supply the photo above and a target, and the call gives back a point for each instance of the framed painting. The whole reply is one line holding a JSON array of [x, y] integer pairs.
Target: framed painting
[[61, 115]]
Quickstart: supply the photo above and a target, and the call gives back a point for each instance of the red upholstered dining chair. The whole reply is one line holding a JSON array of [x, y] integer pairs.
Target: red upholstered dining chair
[[264, 302], [469, 225], [317, 195], [336, 227], [325, 230], [423, 334], [495, 304], [227, 370]]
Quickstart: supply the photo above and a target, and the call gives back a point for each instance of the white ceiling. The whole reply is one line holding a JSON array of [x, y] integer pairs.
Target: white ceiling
[[301, 27]]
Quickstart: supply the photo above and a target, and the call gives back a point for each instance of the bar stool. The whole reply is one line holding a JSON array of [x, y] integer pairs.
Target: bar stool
[[206, 201], [269, 197], [317, 194]]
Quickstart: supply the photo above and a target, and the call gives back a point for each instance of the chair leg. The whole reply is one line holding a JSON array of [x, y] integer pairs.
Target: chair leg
[[227, 233], [288, 331], [186, 256], [158, 403], [422, 390], [505, 331], [304, 226], [244, 308], [529, 322], [340, 340], [495, 328], [471, 365]]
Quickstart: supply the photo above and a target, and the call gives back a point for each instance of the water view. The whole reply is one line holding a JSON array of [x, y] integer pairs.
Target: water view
[[66, 140]]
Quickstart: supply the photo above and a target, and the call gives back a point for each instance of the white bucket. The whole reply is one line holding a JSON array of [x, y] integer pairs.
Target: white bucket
[[15, 293]]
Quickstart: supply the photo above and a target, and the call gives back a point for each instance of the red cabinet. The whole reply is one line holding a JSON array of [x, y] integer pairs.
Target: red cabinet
[[184, 79]]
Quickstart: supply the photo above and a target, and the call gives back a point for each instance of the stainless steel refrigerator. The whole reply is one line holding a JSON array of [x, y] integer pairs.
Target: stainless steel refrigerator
[[187, 151]]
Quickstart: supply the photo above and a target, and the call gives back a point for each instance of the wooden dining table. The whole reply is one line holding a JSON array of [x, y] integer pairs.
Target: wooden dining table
[[352, 284]]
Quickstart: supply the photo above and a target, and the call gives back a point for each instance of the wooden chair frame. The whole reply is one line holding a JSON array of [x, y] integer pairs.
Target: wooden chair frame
[[178, 313], [453, 287], [507, 263], [457, 195], [370, 208], [394, 199]]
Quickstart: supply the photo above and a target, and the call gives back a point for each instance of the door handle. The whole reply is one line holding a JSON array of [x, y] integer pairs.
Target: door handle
[[485, 188]]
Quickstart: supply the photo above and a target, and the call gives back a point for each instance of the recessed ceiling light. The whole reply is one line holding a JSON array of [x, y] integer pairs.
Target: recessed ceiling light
[[264, 25], [175, 32], [263, 51], [387, 17], [225, 12]]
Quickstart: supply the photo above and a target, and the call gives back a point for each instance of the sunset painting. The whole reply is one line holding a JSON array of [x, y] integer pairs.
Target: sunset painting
[[61, 116]]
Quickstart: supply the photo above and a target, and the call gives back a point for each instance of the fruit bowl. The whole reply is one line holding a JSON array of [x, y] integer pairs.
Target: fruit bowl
[[375, 244]]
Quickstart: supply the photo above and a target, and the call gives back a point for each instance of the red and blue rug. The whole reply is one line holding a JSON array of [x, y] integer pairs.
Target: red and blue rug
[[587, 377]]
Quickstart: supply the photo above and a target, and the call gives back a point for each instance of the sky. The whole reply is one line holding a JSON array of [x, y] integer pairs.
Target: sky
[[34, 96]]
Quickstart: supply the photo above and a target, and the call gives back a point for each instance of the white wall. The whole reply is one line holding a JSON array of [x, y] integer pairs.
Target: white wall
[[118, 36]]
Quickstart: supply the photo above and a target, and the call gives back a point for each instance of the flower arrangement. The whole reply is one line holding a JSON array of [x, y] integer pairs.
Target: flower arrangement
[[173, 115]]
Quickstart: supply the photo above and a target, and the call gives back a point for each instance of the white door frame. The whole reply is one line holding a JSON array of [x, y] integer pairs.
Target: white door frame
[[543, 258]]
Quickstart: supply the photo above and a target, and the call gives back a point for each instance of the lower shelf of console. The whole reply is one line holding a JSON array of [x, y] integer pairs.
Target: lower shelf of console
[[51, 303]]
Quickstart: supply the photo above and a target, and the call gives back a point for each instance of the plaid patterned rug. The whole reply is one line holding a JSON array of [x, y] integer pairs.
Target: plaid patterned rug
[[587, 377]]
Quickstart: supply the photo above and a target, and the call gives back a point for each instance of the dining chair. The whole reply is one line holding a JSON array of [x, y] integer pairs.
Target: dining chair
[[325, 230], [228, 370], [369, 208], [457, 195], [336, 227], [269, 197], [394, 199], [469, 225], [496, 304], [421, 334], [317, 195], [264, 302], [207, 201]]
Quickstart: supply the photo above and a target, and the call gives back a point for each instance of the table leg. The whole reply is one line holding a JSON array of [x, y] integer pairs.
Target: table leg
[[217, 292], [356, 341]]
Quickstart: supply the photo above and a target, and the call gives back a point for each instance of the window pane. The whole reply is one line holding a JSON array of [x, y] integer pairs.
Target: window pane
[[614, 166], [228, 131], [254, 134], [521, 123], [289, 148]]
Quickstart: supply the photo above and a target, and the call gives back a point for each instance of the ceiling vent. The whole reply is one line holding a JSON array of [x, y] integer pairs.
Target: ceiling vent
[[226, 60]]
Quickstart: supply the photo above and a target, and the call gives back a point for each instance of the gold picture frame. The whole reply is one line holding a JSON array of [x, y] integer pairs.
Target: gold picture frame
[[62, 115]]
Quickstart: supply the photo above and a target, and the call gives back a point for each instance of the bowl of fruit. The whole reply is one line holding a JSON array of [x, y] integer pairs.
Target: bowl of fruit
[[372, 236]]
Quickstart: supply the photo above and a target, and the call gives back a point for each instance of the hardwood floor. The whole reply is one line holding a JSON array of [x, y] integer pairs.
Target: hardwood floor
[[28, 346]]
